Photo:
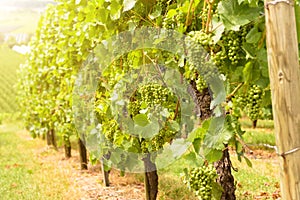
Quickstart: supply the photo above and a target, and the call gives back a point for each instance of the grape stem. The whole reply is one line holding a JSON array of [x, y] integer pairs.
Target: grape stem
[[203, 23], [228, 98], [157, 68], [245, 146], [209, 15], [188, 14], [261, 41], [176, 111], [142, 18]]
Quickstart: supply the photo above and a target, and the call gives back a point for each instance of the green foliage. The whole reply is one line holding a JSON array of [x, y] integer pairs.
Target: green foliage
[[155, 119], [235, 14], [154, 106]]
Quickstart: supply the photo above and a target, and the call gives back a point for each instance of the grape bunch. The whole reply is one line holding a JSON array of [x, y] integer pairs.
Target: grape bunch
[[200, 83], [201, 180], [250, 102], [110, 128], [149, 96], [200, 68], [153, 97], [229, 49], [200, 38], [254, 99]]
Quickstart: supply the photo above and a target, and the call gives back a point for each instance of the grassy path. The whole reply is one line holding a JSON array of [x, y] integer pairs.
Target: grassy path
[[31, 171], [22, 174]]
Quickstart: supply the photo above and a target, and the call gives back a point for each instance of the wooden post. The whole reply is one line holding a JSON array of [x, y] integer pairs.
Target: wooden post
[[285, 86]]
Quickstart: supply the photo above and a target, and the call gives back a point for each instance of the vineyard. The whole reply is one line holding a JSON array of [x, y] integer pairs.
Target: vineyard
[[9, 65], [173, 91]]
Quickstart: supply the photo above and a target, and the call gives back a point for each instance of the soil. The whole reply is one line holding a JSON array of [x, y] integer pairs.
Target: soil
[[88, 184]]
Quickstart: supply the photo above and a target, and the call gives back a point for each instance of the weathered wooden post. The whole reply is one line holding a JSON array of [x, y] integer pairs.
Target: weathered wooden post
[[284, 72]]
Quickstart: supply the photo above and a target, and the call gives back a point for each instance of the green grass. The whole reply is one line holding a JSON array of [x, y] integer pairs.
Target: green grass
[[266, 124], [22, 176], [10, 61], [259, 137], [262, 177]]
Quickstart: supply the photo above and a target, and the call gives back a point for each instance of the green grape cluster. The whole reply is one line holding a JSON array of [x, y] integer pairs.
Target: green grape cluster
[[219, 57], [197, 45], [233, 44], [250, 102], [204, 40], [200, 83], [109, 129], [149, 96], [191, 74], [229, 49], [152, 97], [173, 22], [201, 181], [254, 102]]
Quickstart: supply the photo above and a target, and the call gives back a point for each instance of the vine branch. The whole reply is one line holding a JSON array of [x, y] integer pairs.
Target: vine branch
[[228, 98]]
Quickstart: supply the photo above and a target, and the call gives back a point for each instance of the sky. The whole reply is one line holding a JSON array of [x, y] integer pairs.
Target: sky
[[20, 15]]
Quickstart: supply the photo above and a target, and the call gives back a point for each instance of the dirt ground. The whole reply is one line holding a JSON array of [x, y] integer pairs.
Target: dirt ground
[[88, 184]]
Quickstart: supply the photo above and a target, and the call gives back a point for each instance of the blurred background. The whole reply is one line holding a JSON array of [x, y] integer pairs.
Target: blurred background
[[18, 21]]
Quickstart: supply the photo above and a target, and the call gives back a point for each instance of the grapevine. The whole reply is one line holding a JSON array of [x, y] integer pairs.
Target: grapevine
[[70, 30]]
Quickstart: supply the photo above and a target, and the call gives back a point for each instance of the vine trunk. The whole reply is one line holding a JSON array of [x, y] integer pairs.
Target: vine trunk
[[151, 179], [223, 166]]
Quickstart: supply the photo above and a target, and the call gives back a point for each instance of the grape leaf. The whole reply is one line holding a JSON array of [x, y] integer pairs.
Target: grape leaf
[[192, 159], [174, 125], [141, 119], [219, 133], [156, 12], [218, 30], [253, 35], [234, 15], [115, 156], [178, 147], [197, 144], [212, 155], [251, 72], [128, 5], [216, 191], [115, 10], [132, 162], [248, 161]]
